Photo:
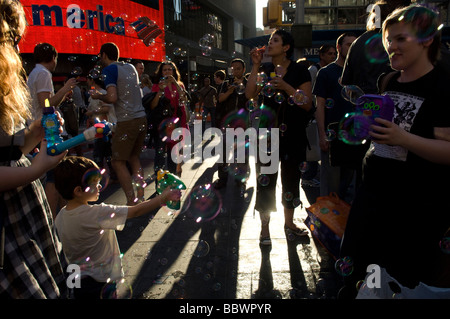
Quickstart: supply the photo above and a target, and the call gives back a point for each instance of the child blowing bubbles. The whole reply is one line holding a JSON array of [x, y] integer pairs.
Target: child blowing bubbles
[[87, 232]]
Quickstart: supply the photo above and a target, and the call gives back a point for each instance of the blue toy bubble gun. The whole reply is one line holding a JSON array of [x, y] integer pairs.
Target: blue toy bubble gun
[[100, 130], [166, 179], [51, 125]]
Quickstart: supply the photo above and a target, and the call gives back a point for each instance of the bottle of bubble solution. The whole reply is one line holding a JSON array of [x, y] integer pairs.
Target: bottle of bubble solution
[[51, 125]]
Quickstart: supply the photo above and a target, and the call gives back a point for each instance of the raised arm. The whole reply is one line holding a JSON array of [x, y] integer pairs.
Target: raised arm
[[251, 89]]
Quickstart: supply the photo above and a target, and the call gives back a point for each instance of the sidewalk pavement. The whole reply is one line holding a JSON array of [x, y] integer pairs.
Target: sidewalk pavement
[[169, 255]]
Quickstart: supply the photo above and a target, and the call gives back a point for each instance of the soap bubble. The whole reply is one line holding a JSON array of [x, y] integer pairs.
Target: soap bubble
[[166, 128], [193, 87], [138, 181], [77, 71], [352, 93], [444, 244], [119, 28], [330, 135], [204, 203], [268, 90], [344, 266], [297, 202], [202, 249], [360, 284], [261, 79], [329, 103], [279, 70], [92, 177], [288, 196], [177, 51], [354, 128], [116, 289], [300, 97], [163, 261], [86, 264], [251, 105], [240, 88], [206, 51], [279, 98], [263, 180], [236, 119], [374, 49], [217, 286], [241, 173], [265, 116], [206, 43], [95, 73], [423, 22]]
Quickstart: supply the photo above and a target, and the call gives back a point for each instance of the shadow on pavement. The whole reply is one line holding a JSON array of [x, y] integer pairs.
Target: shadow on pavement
[[212, 258]]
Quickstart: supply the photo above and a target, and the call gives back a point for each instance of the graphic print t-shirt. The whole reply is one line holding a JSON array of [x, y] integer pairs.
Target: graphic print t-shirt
[[420, 107], [406, 108]]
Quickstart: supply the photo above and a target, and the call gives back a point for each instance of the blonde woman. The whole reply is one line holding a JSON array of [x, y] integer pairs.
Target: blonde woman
[[31, 260]]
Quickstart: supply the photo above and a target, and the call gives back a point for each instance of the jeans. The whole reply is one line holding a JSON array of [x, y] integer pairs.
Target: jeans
[[335, 179], [208, 110], [163, 158]]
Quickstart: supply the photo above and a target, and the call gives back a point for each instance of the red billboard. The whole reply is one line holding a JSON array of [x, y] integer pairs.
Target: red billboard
[[81, 27]]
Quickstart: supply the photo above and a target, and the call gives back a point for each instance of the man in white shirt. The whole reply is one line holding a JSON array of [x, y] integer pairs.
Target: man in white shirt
[[40, 86], [40, 82]]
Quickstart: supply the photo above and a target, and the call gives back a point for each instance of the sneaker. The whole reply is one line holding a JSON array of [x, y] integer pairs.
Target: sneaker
[[299, 232]]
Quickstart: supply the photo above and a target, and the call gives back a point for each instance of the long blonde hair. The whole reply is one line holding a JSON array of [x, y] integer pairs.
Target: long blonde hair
[[14, 95]]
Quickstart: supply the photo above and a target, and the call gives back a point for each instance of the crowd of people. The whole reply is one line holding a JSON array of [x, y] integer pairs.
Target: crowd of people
[[382, 179]]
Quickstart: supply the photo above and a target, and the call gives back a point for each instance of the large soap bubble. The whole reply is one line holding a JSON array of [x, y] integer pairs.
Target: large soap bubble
[[374, 49], [204, 203], [206, 43], [354, 128], [352, 93]]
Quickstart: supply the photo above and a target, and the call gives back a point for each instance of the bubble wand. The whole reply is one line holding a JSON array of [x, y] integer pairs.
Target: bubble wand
[[101, 129], [51, 125], [166, 179]]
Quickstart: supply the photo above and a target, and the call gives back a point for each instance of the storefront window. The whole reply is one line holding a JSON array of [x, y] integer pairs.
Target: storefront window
[[190, 20]]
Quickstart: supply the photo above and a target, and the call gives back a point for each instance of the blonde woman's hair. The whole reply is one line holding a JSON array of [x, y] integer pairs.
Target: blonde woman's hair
[[14, 96]]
